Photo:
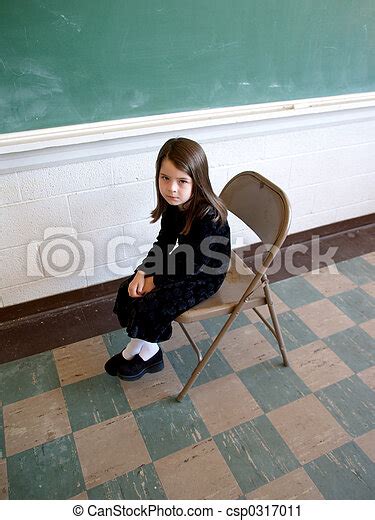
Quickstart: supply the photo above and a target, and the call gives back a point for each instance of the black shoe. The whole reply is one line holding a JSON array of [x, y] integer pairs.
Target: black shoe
[[136, 367], [113, 364]]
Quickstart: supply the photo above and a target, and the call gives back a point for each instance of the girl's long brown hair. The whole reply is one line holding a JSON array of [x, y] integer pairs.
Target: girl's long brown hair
[[189, 157]]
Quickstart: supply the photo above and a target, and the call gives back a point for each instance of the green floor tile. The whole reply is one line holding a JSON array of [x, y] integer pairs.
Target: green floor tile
[[2, 441], [184, 360], [116, 341], [296, 291], [140, 484], [272, 384], [214, 325], [357, 304], [352, 404], [354, 346], [358, 270], [255, 453], [94, 400], [294, 331], [50, 471], [345, 473], [28, 377], [168, 426]]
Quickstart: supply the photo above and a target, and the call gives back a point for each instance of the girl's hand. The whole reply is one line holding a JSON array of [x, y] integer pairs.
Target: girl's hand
[[135, 288], [148, 285]]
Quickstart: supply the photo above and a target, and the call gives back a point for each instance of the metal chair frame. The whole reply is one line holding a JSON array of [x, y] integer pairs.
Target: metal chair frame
[[278, 229]]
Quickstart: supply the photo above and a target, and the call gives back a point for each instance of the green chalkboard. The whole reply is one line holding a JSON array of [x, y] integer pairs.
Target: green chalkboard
[[67, 62]]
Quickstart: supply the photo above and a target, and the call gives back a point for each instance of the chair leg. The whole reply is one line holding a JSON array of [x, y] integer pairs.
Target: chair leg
[[198, 369], [192, 342], [275, 321], [200, 366]]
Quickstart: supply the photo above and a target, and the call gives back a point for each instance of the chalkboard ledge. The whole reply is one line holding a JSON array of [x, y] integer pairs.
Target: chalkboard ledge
[[182, 121]]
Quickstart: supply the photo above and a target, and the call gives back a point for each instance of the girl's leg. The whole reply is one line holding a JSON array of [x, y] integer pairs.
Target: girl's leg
[[133, 348], [150, 359], [148, 350], [145, 349], [127, 354]]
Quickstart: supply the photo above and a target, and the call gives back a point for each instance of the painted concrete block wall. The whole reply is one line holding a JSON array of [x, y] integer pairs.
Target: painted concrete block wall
[[100, 207]]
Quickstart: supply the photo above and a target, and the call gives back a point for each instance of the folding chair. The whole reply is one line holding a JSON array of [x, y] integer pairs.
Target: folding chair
[[265, 209]]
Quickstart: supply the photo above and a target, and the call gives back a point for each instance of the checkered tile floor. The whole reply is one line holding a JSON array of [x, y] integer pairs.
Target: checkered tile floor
[[249, 428]]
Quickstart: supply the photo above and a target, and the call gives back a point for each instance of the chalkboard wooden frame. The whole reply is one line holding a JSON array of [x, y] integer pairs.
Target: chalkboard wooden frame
[[17, 142]]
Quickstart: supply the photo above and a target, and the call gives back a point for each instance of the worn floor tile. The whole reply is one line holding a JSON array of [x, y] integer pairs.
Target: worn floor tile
[[324, 318], [272, 384], [34, 421], [152, 387], [368, 377], [369, 257], [26, 377], [255, 453], [346, 473], [278, 304], [296, 485], [354, 346], [214, 325], [46, 462], [80, 360], [81, 496], [94, 400], [224, 403], [110, 449], [168, 426], [295, 332], [183, 478], [178, 339], [369, 327], [296, 291], [369, 288], [141, 483], [245, 347], [308, 428], [329, 283], [356, 304], [3, 480], [47, 472], [352, 403], [184, 360], [318, 366], [116, 341], [367, 444], [357, 269]]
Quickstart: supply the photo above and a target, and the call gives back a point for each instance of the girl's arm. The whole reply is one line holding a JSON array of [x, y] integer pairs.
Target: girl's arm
[[212, 249], [136, 286], [156, 260]]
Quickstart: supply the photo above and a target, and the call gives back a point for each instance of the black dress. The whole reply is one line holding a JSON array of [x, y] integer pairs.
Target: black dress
[[193, 272]]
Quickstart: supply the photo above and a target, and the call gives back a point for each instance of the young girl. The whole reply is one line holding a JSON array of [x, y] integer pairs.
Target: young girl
[[168, 283]]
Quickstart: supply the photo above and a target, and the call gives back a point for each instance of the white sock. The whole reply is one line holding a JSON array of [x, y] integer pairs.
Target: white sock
[[148, 350], [133, 348]]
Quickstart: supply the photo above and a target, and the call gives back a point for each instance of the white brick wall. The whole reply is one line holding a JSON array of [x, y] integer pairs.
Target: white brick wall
[[9, 189], [66, 178], [326, 166]]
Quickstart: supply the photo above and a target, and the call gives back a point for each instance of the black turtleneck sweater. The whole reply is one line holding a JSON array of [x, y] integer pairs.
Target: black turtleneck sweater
[[203, 253]]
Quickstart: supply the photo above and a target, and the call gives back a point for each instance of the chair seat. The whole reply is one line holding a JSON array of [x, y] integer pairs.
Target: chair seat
[[237, 280]]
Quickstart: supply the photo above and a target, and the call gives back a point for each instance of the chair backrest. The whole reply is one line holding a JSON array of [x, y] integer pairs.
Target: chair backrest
[[262, 206]]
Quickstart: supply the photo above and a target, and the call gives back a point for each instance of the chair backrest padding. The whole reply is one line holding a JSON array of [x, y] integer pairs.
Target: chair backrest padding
[[260, 204]]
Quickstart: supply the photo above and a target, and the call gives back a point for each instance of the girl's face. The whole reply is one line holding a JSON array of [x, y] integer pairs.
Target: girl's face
[[175, 185]]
